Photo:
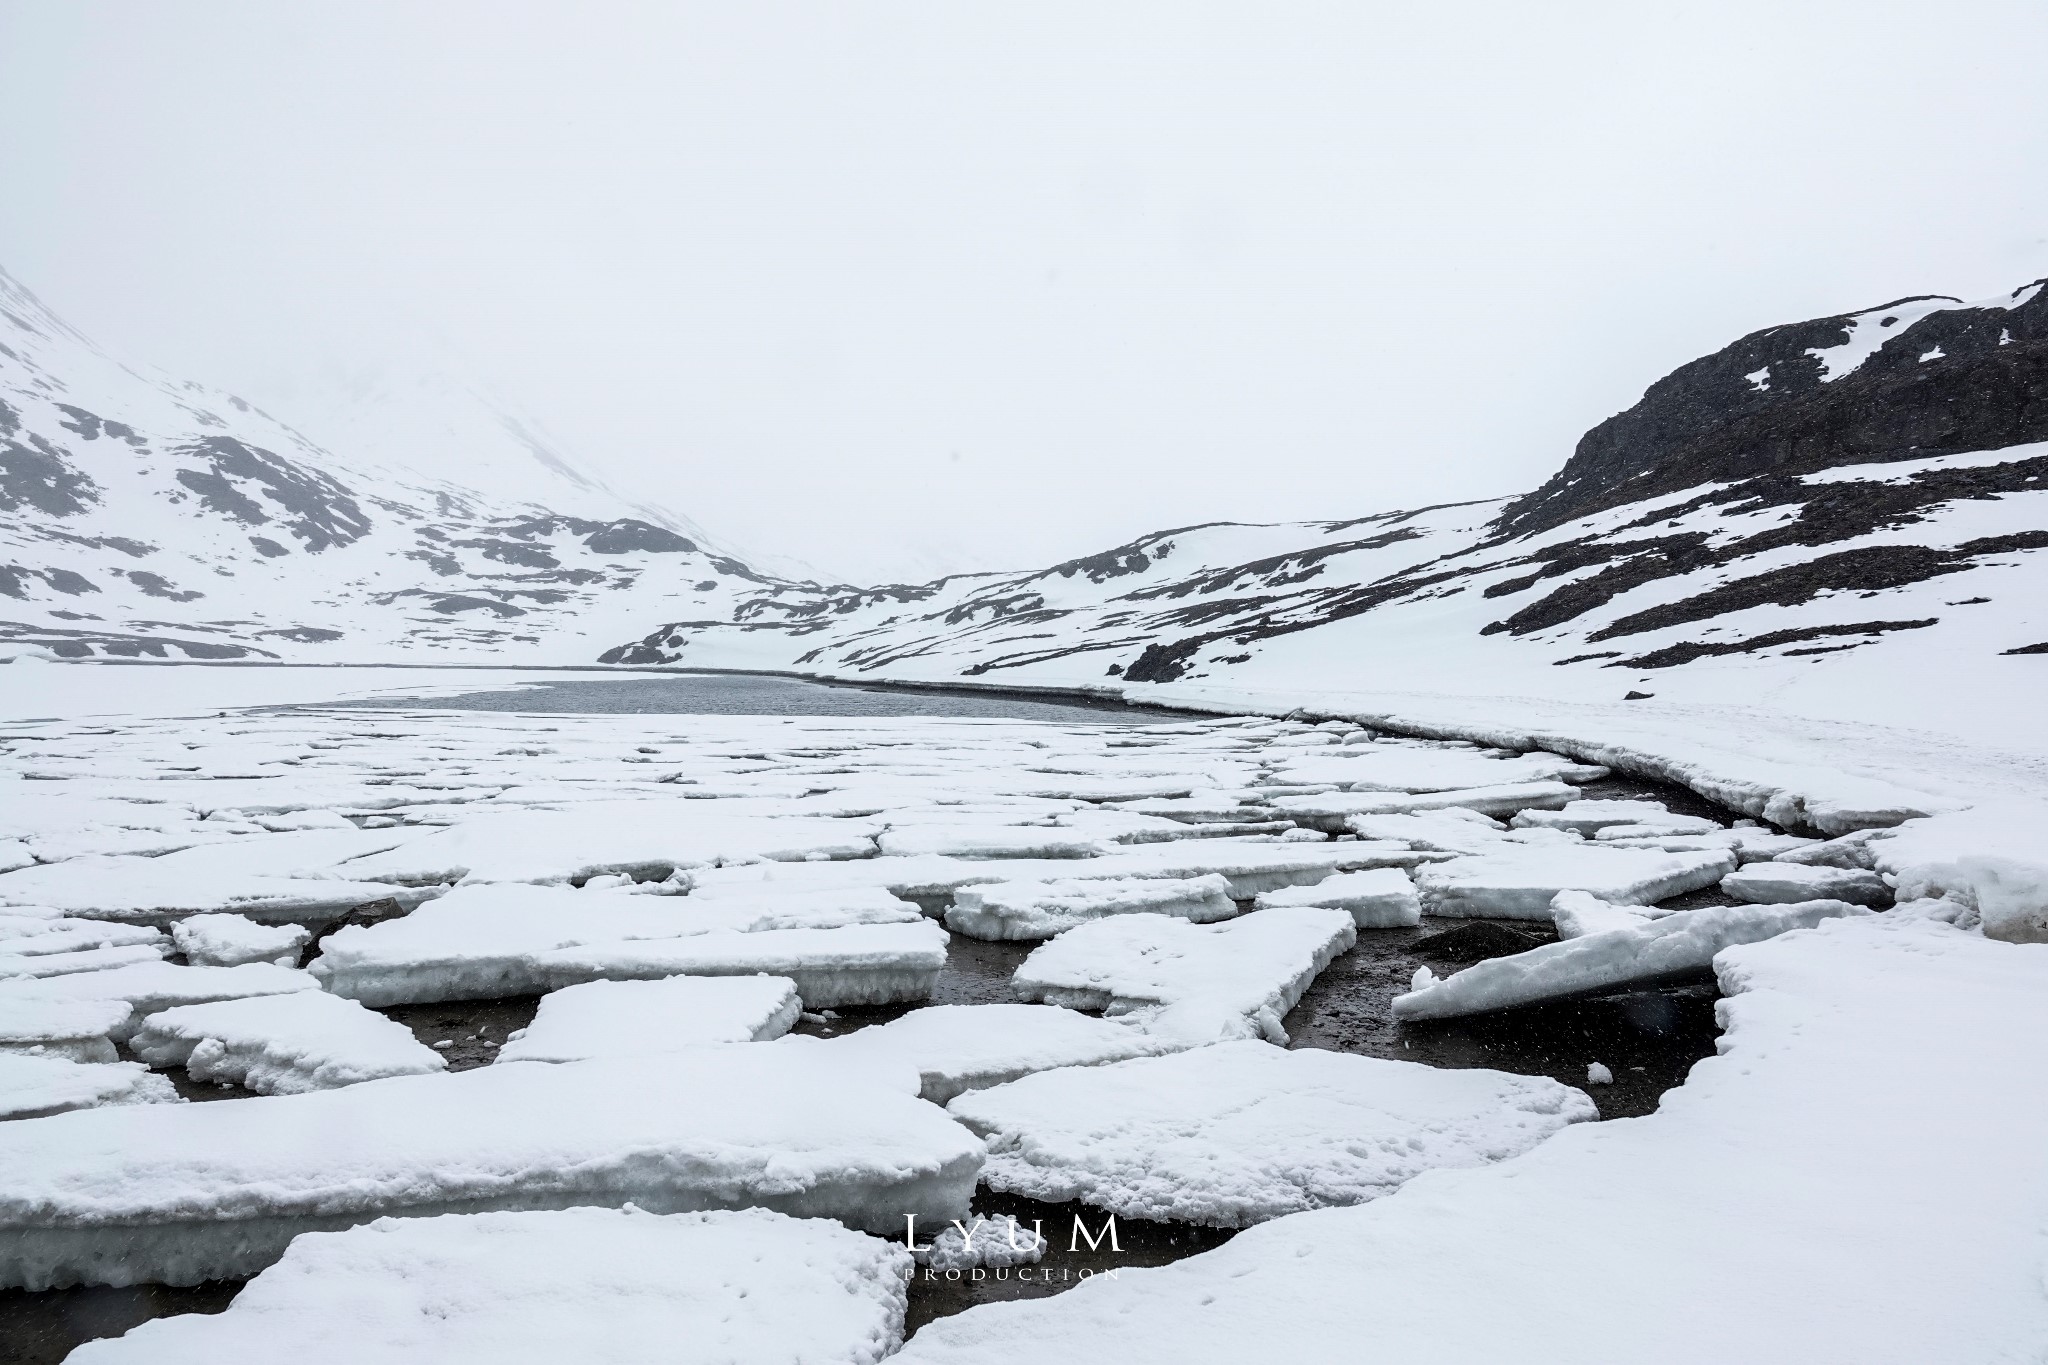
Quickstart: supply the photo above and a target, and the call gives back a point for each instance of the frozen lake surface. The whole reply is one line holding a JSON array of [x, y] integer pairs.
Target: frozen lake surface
[[628, 828], [735, 694]]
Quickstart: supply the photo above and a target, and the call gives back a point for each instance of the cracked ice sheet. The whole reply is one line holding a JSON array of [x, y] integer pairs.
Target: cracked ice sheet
[[1836, 771], [1041, 909], [647, 1018], [1237, 1133], [202, 1191], [1378, 898], [478, 942], [1329, 812], [616, 1286], [231, 940], [1388, 768], [146, 987], [957, 1048], [867, 964], [283, 1044], [147, 891], [143, 690], [649, 839], [35, 1087], [1791, 1174], [74, 1030], [1520, 882], [1190, 982]]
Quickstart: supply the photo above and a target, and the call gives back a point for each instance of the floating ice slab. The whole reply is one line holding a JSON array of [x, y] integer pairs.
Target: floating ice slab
[[598, 1285], [1655, 950], [1237, 1133], [283, 1044], [1329, 812], [927, 875], [1773, 883], [1449, 831], [482, 941], [1519, 883], [34, 1087], [646, 839], [872, 964], [147, 987], [31, 966], [1254, 868], [201, 1191], [1035, 910], [1590, 817], [988, 841], [1378, 898], [604, 1019], [1231, 980], [1577, 914], [1749, 844], [769, 908], [142, 891], [479, 941], [956, 1048], [72, 1030], [1392, 769], [23, 921], [231, 940], [1205, 808], [61, 934], [1249, 867]]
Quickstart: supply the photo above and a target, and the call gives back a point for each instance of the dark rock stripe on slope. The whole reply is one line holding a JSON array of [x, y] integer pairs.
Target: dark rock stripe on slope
[[1956, 380]]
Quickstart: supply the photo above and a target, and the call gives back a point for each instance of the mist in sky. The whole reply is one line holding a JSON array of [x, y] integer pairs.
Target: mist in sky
[[897, 288]]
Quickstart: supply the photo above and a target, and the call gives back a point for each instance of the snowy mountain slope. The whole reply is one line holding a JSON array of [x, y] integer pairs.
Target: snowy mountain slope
[[1720, 539], [141, 516]]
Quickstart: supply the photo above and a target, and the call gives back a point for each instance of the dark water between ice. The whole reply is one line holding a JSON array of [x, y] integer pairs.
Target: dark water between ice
[[1649, 1040]]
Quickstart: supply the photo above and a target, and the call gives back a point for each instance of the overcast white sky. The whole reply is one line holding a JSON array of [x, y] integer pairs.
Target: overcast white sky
[[886, 285]]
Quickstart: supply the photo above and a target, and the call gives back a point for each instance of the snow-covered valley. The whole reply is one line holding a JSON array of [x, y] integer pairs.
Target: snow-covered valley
[[1545, 922]]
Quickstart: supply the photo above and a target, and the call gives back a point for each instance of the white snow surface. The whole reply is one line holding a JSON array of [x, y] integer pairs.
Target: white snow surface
[[1378, 898], [208, 1190], [1238, 1133], [231, 940], [29, 966], [1774, 883], [1579, 913], [283, 1044], [957, 1048], [1197, 982], [1036, 910], [147, 987], [33, 1087], [75, 1030], [1796, 1163], [604, 1019], [1520, 882], [868, 964], [481, 941], [614, 1285]]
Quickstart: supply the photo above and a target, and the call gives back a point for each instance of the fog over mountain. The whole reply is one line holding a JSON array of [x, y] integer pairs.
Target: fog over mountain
[[895, 293]]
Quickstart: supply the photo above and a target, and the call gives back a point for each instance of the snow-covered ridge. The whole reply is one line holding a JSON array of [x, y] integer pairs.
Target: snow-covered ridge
[[1806, 546], [146, 517]]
